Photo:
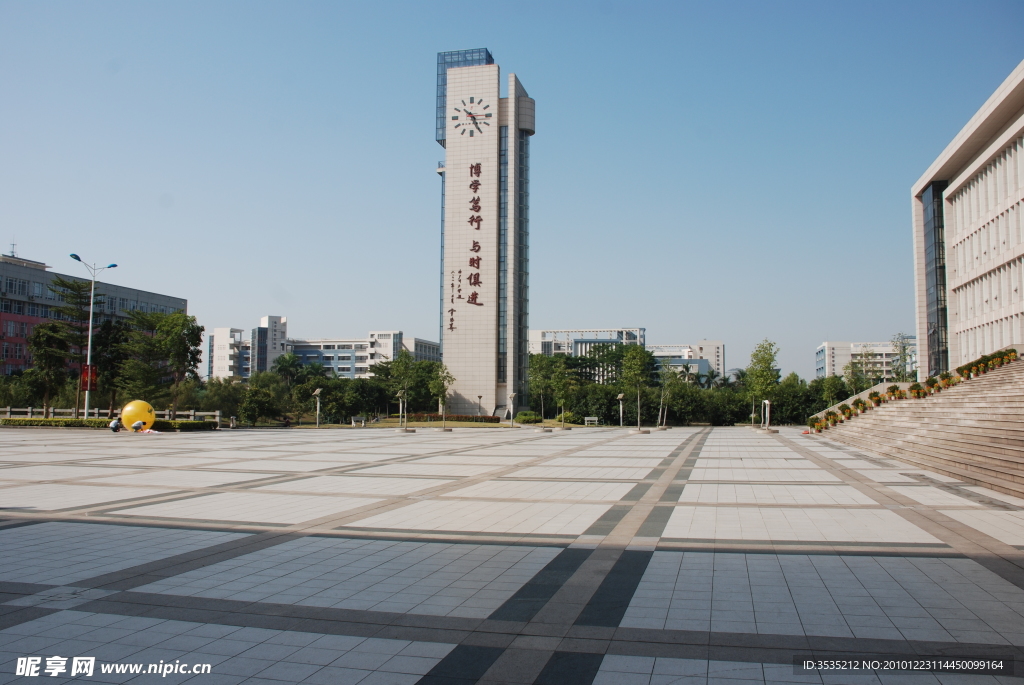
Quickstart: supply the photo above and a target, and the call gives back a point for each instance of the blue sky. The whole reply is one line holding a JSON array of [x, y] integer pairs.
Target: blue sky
[[706, 170]]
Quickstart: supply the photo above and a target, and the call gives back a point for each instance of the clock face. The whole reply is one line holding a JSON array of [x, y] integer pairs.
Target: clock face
[[473, 117]]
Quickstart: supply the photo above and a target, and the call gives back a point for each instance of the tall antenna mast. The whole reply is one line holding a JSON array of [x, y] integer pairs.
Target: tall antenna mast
[[14, 246]]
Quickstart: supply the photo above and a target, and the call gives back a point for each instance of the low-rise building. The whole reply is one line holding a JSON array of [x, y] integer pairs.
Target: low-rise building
[[353, 357], [578, 342], [233, 353], [876, 359], [26, 300]]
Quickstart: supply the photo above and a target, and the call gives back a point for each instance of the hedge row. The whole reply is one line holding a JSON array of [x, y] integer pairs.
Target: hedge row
[[158, 425], [454, 417], [983, 361]]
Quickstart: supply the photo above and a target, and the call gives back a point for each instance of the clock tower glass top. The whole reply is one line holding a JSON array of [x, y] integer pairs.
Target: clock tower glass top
[[445, 61]]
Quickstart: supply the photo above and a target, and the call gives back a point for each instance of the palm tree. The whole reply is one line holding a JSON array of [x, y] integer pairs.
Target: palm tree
[[287, 366], [713, 379], [689, 375]]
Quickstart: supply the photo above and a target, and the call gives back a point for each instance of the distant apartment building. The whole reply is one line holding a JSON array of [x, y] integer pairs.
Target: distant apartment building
[[267, 342], [228, 353], [712, 351], [578, 342], [231, 352], [699, 358], [27, 300], [353, 357], [876, 359]]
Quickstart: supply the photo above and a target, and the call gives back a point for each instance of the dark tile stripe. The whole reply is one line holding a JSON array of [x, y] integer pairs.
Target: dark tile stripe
[[608, 605], [624, 641], [638, 491], [570, 668], [11, 616], [464, 665], [656, 521], [12, 588], [608, 521], [529, 599], [150, 572], [673, 492]]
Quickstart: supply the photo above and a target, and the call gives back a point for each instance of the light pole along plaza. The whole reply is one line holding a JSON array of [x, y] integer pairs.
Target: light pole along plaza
[[93, 271]]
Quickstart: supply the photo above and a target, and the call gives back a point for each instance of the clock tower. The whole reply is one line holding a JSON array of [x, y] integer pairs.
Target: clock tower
[[485, 232]]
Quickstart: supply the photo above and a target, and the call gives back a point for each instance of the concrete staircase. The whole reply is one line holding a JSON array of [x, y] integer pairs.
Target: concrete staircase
[[973, 431]]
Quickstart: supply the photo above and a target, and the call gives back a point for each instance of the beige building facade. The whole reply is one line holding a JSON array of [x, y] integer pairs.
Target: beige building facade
[[486, 234], [969, 237]]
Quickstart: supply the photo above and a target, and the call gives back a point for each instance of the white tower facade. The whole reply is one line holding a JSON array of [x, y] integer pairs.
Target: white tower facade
[[485, 255]]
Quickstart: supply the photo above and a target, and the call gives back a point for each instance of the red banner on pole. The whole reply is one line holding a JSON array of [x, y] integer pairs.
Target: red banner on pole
[[88, 378]]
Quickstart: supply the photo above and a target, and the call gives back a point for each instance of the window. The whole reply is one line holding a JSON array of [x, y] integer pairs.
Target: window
[[122, 304], [360, 359], [38, 290], [19, 351], [328, 357], [344, 347], [345, 358], [5, 351], [344, 369]]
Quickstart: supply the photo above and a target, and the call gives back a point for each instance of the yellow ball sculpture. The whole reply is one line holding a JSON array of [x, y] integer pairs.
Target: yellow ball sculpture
[[137, 410]]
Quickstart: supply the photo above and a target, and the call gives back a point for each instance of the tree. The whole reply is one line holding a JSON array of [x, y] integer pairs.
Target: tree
[[50, 351], [439, 386], [73, 317], [257, 404], [181, 337], [762, 374], [636, 374], [224, 395], [670, 382], [143, 375], [287, 366], [313, 371], [111, 351], [402, 374], [901, 361], [855, 375], [538, 375], [563, 383], [833, 389]]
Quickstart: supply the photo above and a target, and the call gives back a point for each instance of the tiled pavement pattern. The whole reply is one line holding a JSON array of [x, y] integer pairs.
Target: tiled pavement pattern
[[691, 555]]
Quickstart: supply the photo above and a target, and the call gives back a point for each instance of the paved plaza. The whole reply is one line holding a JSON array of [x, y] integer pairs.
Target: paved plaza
[[690, 555]]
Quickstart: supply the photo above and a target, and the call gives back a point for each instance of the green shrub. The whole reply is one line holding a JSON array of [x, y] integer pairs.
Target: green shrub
[[931, 381], [528, 417], [56, 423], [569, 417], [473, 418], [168, 426]]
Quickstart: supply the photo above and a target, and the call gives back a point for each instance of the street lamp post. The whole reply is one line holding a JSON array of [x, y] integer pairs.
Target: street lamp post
[[93, 271], [316, 394], [479, 407], [619, 398]]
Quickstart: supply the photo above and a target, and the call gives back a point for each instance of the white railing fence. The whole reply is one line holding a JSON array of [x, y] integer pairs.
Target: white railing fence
[[99, 413]]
